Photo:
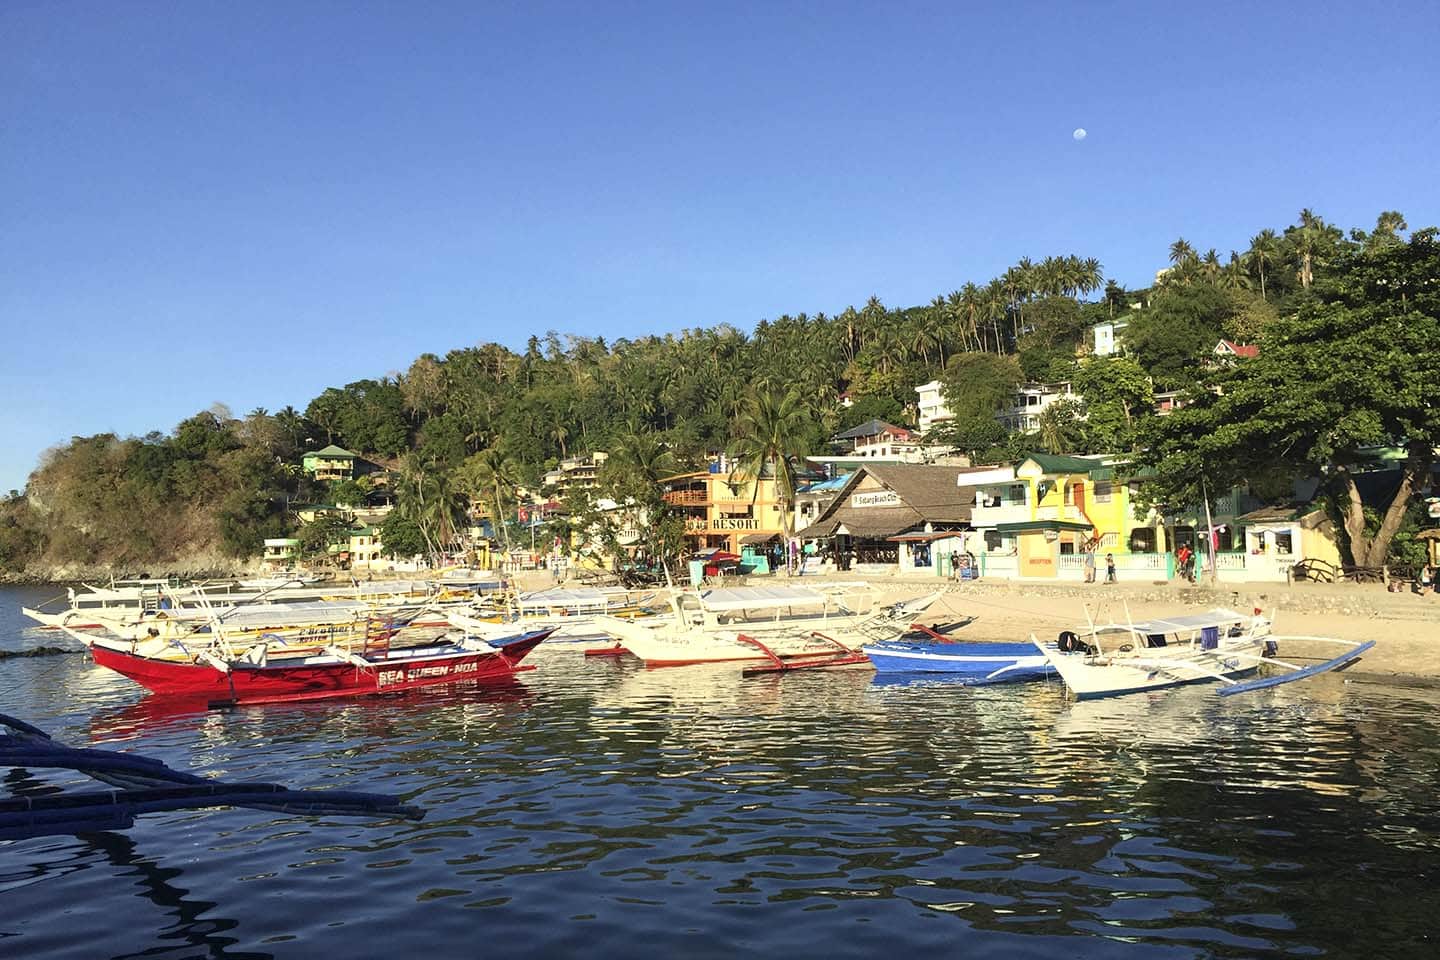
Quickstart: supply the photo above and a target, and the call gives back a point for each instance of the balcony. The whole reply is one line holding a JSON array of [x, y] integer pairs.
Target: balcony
[[687, 498], [1006, 512]]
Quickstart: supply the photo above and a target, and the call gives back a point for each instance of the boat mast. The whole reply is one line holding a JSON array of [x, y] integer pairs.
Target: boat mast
[[1210, 538]]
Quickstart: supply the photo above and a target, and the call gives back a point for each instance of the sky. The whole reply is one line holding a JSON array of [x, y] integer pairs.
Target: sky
[[248, 203]]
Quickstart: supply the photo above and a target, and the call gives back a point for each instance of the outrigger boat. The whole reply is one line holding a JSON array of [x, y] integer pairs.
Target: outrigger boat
[[1219, 645], [925, 650], [769, 624], [219, 673], [571, 610]]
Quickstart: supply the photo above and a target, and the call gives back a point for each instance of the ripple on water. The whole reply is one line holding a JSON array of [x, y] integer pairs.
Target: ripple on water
[[608, 810]]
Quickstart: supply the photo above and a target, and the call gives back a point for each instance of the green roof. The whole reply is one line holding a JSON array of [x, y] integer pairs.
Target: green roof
[[333, 451], [1053, 463]]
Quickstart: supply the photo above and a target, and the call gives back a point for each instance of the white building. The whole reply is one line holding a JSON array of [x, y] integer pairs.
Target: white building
[[932, 405], [1030, 401], [1108, 335]]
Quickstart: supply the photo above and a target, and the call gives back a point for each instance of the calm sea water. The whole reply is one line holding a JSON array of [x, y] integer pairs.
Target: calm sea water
[[598, 809]]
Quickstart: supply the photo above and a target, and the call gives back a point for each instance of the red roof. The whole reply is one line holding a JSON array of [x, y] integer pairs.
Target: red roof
[[1247, 350]]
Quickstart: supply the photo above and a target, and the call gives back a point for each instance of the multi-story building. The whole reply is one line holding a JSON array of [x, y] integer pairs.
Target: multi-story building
[[1108, 337], [725, 509], [932, 405], [330, 464], [1023, 414], [575, 473]]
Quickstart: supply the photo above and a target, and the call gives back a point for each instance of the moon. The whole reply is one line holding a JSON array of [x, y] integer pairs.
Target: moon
[[1079, 134]]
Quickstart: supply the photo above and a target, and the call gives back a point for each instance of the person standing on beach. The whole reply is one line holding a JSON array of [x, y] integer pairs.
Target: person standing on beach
[[1109, 568], [1090, 563]]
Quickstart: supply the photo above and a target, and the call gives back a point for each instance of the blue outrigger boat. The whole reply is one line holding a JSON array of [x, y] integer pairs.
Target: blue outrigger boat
[[924, 650]]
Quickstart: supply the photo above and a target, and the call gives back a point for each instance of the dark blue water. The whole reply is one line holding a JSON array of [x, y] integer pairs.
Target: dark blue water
[[601, 810]]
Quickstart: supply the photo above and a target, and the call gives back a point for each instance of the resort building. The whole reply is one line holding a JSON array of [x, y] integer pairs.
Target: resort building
[[876, 439], [1278, 537], [725, 509]]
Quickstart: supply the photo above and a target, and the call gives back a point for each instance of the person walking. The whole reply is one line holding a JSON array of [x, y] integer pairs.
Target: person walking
[[1090, 563], [1109, 568]]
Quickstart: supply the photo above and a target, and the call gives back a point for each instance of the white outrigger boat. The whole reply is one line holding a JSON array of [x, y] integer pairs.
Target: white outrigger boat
[[570, 610], [1219, 645], [763, 623]]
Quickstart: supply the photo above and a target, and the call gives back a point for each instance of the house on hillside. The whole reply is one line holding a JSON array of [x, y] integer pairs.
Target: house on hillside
[[1228, 351], [1030, 400], [932, 405], [334, 463]]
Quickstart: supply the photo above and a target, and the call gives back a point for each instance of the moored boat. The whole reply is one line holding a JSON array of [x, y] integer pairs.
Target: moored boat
[[723, 625], [1219, 645], [925, 651], [335, 672]]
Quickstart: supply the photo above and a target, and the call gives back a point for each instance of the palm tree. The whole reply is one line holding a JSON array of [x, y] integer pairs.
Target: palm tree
[[1234, 276], [771, 431], [1182, 254], [1264, 249], [1210, 264], [1114, 296], [491, 474], [1313, 238]]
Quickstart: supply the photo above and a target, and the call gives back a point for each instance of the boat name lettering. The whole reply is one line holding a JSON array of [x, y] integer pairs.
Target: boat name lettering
[[880, 498], [387, 677]]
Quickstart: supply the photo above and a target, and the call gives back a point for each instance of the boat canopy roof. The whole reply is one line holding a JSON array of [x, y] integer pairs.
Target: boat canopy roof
[[753, 598], [571, 596], [1217, 617]]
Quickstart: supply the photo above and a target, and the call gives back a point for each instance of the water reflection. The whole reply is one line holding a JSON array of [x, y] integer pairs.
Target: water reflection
[[597, 807]]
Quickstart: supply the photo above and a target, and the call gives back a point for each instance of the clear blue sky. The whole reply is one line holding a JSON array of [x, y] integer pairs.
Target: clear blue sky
[[248, 202]]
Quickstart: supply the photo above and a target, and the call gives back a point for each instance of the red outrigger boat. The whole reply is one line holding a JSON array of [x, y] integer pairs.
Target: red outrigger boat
[[334, 673]]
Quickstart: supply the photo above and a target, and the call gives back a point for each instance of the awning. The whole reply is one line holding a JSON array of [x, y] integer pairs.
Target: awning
[[1028, 526], [756, 538]]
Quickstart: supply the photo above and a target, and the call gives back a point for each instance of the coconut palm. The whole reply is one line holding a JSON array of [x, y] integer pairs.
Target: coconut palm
[[1264, 250], [771, 432], [492, 475], [1182, 254]]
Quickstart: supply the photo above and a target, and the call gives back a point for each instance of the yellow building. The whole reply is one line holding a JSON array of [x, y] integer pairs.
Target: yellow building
[[1040, 517], [725, 510]]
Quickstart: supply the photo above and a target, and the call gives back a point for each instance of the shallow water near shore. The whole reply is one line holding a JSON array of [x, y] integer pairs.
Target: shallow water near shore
[[596, 808]]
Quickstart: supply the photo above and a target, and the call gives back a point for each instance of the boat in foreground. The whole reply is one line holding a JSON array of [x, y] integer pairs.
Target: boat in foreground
[[333, 673], [1218, 645]]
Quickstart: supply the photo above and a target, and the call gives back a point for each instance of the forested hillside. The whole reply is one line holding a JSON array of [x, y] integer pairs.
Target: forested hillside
[[478, 420]]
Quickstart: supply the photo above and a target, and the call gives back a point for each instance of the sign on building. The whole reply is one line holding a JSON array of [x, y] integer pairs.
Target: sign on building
[[877, 498]]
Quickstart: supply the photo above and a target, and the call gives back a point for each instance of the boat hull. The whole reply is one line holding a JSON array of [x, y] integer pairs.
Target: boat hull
[[321, 677], [998, 661], [1089, 678]]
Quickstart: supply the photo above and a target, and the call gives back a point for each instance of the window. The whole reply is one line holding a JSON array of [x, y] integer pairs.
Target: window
[[1104, 492], [1015, 494], [1284, 542], [1142, 540], [992, 540]]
